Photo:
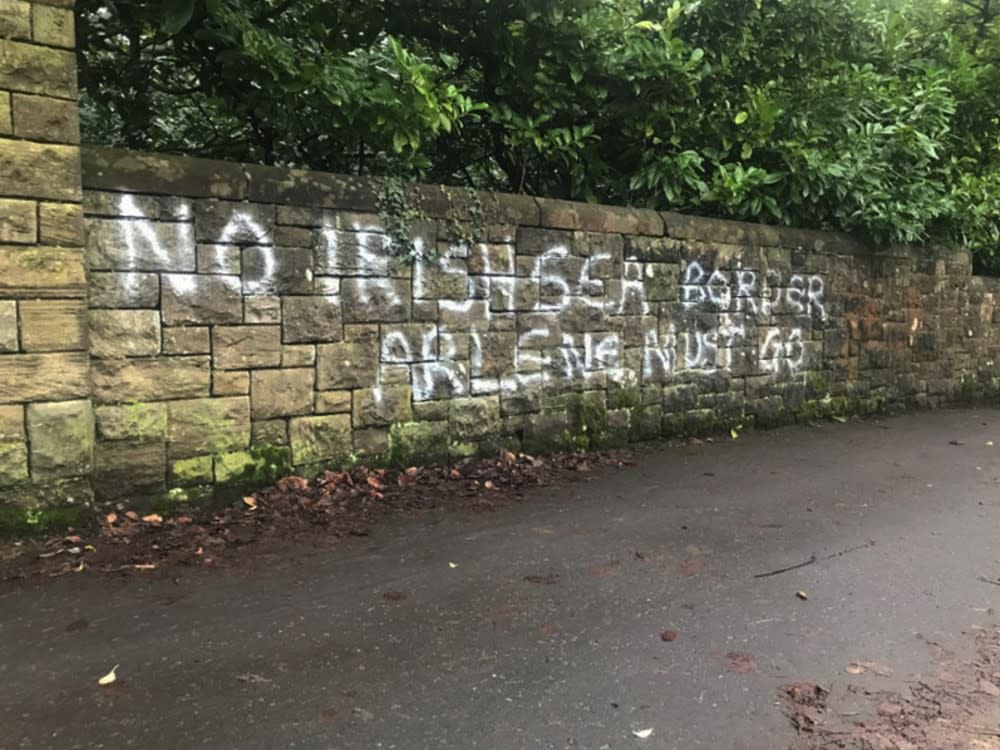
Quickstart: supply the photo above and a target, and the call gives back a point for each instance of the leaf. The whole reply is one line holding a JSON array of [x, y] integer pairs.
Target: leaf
[[111, 518], [250, 502], [153, 518], [374, 483], [489, 485], [839, 418], [802, 595], [452, 565], [741, 117], [734, 433], [177, 15], [109, 677], [132, 515], [642, 734]]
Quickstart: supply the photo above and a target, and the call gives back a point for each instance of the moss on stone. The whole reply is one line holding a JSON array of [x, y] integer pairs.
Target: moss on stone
[[189, 471], [19, 521], [412, 442]]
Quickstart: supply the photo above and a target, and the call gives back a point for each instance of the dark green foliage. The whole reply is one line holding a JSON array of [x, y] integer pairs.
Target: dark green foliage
[[873, 116]]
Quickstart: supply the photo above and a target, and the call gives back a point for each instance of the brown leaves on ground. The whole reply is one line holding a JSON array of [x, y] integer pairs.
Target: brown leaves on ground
[[336, 504], [957, 709]]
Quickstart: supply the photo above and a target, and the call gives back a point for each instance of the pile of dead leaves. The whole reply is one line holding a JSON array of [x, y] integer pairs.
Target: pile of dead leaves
[[335, 504], [956, 709]]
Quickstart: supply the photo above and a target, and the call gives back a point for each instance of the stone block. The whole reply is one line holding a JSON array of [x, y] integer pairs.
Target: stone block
[[15, 19], [6, 124], [595, 218], [110, 169], [43, 377], [269, 432], [36, 272], [533, 241], [124, 469], [42, 118], [414, 442], [124, 333], [221, 259], [13, 446], [375, 300], [123, 290], [53, 26], [136, 422], [311, 319], [53, 325], [117, 380], [441, 278], [186, 340], [207, 426], [281, 393], [234, 223], [346, 365], [320, 439], [139, 244], [299, 355], [473, 417], [201, 300], [661, 282], [18, 221], [352, 253], [61, 224], [9, 338], [491, 260], [409, 342], [230, 382], [261, 309], [285, 236], [382, 406], [243, 347], [277, 270], [32, 69], [61, 439], [493, 354], [333, 402]]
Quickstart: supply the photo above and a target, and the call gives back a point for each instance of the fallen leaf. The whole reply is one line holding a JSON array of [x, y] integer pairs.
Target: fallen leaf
[[452, 565], [642, 734], [73, 539], [184, 520], [455, 474], [131, 515], [152, 518], [111, 518], [109, 677], [250, 502], [989, 443], [200, 551], [956, 442], [860, 667], [489, 485], [508, 456], [547, 630], [90, 548], [839, 418], [394, 596], [668, 636], [802, 595], [733, 433], [363, 713], [79, 568], [374, 483]]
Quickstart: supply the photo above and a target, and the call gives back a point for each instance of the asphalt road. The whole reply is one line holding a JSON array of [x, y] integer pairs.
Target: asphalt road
[[304, 650]]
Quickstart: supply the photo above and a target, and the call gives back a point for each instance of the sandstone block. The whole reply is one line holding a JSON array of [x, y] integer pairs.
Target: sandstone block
[[60, 224], [36, 272], [375, 300], [136, 422], [260, 309], [333, 402], [281, 393], [61, 439], [207, 426], [18, 223], [346, 365], [201, 300], [42, 118], [186, 340], [117, 380], [123, 469], [473, 417], [123, 290], [323, 438], [243, 347], [308, 319], [13, 447], [43, 377], [124, 333], [137, 244], [53, 26], [234, 223], [382, 406], [53, 325], [9, 338], [277, 270], [15, 19], [230, 382], [37, 70]]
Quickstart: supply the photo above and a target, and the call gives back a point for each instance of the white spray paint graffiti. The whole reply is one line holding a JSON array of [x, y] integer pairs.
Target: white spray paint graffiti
[[561, 312]]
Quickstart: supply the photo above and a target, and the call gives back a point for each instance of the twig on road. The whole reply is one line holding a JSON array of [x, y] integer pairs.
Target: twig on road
[[984, 579], [810, 561]]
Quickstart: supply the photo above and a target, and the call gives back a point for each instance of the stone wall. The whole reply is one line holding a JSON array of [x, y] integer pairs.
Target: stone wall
[[241, 316], [46, 420]]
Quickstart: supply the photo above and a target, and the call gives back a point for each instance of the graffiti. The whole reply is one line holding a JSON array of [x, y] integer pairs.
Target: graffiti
[[501, 322]]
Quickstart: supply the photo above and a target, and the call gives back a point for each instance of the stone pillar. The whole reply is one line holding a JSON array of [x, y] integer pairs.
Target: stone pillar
[[46, 420]]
